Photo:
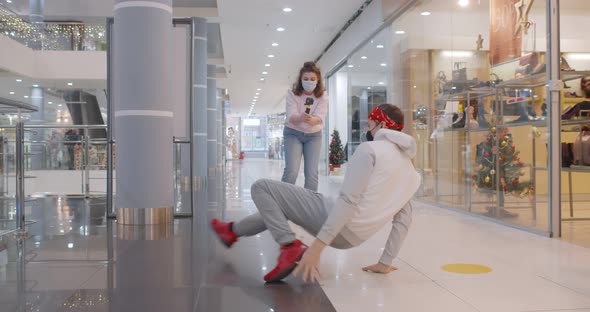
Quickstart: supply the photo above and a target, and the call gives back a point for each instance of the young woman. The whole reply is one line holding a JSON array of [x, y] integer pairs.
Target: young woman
[[307, 105]]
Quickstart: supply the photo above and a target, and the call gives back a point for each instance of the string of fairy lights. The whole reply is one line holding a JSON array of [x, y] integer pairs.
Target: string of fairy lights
[[53, 36]]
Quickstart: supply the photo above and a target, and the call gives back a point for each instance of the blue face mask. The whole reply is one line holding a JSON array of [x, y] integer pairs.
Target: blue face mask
[[309, 85]]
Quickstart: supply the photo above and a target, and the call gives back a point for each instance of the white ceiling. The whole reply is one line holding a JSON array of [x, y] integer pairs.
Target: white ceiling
[[248, 28]]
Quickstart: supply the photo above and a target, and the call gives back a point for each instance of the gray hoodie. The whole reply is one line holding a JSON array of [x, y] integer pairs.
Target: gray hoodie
[[379, 182]]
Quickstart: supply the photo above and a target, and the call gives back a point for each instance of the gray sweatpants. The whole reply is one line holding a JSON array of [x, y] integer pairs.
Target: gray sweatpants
[[278, 203]]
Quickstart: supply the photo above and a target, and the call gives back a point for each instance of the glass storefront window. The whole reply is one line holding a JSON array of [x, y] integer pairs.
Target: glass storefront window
[[471, 81]]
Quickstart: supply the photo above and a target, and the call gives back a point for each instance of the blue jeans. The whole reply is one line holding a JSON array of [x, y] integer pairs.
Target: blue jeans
[[299, 144]]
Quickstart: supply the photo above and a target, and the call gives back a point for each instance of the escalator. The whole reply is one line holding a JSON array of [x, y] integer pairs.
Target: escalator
[[84, 109]]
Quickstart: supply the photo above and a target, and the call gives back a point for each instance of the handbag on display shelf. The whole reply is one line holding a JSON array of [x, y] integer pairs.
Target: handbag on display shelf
[[460, 71], [528, 64], [567, 154], [582, 147]]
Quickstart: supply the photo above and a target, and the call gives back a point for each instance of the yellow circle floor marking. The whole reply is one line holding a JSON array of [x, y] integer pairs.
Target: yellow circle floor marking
[[462, 268]]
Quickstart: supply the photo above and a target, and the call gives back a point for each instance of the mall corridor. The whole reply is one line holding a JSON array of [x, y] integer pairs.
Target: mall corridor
[[78, 261]]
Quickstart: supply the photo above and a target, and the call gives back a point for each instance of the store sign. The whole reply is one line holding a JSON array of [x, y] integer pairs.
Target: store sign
[[504, 44], [391, 6]]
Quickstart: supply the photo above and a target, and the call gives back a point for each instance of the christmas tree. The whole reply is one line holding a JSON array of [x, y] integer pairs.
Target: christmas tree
[[337, 156], [497, 158]]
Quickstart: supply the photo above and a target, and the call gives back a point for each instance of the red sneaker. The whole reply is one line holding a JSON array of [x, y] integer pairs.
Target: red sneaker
[[224, 232], [287, 261]]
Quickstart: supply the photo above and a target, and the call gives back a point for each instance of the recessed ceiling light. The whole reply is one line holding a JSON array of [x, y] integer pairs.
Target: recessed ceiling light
[[257, 93], [368, 88], [261, 79], [49, 102], [287, 10], [381, 82], [66, 120], [463, 3], [425, 13], [8, 1], [35, 86], [350, 66], [266, 65], [256, 98], [59, 105], [400, 32], [258, 89], [70, 83], [19, 80], [383, 64], [363, 57], [380, 46], [70, 245], [280, 28], [274, 44], [271, 56], [265, 73], [26, 96]]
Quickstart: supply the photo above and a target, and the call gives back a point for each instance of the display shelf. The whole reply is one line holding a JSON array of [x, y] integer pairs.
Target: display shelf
[[539, 80]]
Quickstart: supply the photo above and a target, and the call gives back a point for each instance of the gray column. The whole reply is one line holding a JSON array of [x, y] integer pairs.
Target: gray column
[[213, 181], [219, 117], [212, 159], [143, 119], [199, 102], [38, 159], [36, 17]]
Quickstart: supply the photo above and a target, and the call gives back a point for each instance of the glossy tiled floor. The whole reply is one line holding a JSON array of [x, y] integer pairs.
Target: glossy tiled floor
[[76, 260]]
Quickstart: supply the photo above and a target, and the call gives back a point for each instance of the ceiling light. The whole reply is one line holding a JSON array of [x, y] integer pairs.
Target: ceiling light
[[383, 64], [257, 93], [265, 73], [350, 66], [256, 98], [19, 80], [400, 32], [261, 79], [11, 92], [26, 96], [70, 83], [287, 10], [66, 120], [258, 89], [368, 88], [425, 13], [363, 57], [8, 1], [275, 44], [280, 28], [266, 65], [35, 86], [463, 3], [49, 102], [380, 46], [70, 245], [271, 56], [59, 105], [381, 82]]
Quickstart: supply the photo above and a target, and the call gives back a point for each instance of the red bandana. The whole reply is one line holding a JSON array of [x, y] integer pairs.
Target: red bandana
[[377, 115]]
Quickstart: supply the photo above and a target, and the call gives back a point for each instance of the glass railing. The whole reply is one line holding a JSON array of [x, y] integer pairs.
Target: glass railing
[[70, 161], [62, 36]]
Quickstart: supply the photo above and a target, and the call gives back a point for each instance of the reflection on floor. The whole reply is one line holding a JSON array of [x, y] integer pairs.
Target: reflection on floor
[[76, 260]]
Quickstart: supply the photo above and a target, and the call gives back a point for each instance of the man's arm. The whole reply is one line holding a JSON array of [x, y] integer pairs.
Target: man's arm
[[399, 231]]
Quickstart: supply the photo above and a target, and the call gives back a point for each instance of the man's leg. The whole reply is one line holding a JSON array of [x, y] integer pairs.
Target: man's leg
[[250, 226], [279, 202]]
